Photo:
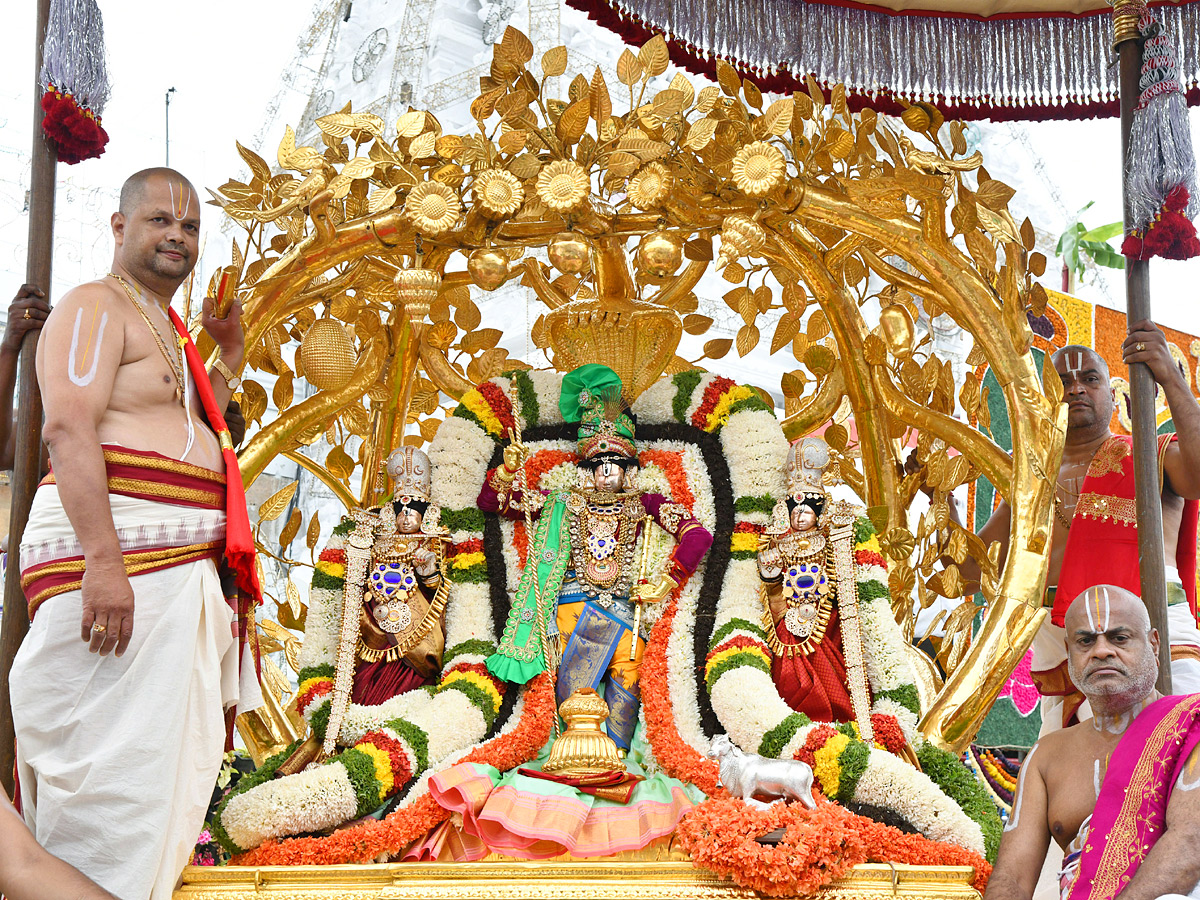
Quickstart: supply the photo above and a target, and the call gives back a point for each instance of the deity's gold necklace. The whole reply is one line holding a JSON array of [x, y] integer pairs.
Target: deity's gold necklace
[[174, 360]]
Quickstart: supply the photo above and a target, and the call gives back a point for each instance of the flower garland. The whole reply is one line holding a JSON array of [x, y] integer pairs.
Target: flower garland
[[817, 846], [375, 838]]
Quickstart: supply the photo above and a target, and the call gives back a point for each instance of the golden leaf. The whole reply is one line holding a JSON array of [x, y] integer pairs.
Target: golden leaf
[[853, 270], [994, 194], [982, 251], [273, 506], [258, 166], [359, 167], [1038, 299], [734, 273], [1028, 238], [957, 141], [839, 143], [356, 419], [727, 77], [818, 325], [336, 125], [1037, 264], [290, 530], [792, 383], [700, 133], [836, 437], [696, 324], [573, 121], [483, 339], [681, 84], [778, 116], [915, 118], [381, 200], [339, 463], [467, 316], [956, 473], [423, 145], [287, 146], [965, 215], [752, 94], [747, 339], [481, 107], [254, 401], [653, 56], [785, 331], [698, 249], [814, 92], [282, 393], [717, 348], [429, 428], [707, 99], [601, 103], [554, 62], [295, 606], [629, 69]]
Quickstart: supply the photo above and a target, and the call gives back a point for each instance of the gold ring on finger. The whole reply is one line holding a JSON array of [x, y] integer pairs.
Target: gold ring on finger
[[1139, 346], [27, 315], [99, 629]]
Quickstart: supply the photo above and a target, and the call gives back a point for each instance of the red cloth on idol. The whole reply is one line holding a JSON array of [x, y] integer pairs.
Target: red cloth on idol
[[375, 682], [1104, 549], [815, 684]]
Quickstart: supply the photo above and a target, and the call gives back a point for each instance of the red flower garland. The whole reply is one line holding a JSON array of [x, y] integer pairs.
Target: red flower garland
[[712, 395], [813, 742], [677, 757], [368, 841]]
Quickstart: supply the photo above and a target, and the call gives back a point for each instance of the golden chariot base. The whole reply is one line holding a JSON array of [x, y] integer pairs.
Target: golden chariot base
[[615, 878]]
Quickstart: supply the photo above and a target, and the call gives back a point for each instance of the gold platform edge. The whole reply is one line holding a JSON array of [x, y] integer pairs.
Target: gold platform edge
[[601, 879]]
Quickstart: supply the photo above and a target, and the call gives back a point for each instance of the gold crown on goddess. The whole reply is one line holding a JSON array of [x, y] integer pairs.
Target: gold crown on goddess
[[807, 460], [409, 469]]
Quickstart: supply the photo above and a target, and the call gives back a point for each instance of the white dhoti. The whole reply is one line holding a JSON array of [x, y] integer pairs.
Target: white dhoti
[[1050, 650], [118, 758]]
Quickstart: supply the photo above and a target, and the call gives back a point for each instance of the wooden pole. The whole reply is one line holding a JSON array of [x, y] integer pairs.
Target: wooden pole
[[27, 461], [1142, 388]]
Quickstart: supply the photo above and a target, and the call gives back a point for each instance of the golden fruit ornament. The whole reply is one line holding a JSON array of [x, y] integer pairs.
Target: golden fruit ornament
[[570, 252], [563, 185], [659, 253], [416, 289], [758, 169], [327, 354], [649, 186], [432, 207], [488, 267], [896, 327], [740, 236], [498, 192]]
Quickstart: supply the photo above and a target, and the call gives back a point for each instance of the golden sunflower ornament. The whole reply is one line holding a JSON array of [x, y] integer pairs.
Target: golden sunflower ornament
[[498, 192], [432, 207], [758, 169], [563, 185], [649, 186]]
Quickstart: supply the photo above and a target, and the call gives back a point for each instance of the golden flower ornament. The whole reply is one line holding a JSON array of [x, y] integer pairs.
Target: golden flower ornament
[[498, 192], [649, 186], [432, 207], [758, 169], [563, 185]]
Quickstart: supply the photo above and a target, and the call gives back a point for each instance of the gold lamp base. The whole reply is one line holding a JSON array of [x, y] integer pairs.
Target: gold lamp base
[[651, 873]]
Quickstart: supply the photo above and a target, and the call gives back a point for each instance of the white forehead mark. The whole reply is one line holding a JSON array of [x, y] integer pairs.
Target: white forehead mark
[[179, 208], [1015, 819], [1087, 606], [89, 376], [1102, 592], [1075, 363]]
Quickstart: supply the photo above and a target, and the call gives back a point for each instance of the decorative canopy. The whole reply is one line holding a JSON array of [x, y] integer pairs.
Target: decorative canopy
[[974, 59]]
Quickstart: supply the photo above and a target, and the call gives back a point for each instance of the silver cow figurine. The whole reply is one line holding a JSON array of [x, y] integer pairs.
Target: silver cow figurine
[[747, 774]]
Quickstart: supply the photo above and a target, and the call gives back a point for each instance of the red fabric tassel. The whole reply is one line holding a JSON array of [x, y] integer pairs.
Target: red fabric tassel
[[75, 132], [1171, 235]]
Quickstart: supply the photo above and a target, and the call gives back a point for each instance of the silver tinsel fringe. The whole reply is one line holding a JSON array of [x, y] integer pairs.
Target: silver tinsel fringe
[[73, 55], [1001, 62], [1160, 139]]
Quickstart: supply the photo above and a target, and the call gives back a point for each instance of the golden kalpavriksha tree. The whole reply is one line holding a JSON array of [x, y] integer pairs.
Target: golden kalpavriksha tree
[[357, 250]]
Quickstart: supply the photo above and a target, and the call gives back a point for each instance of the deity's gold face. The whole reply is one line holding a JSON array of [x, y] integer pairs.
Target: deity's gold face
[[803, 518], [608, 476], [408, 520]]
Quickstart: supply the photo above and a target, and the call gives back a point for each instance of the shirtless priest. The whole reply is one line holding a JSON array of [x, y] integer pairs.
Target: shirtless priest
[[134, 655], [1117, 791]]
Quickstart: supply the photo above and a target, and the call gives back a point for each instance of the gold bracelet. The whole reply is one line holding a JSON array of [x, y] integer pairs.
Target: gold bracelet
[[231, 380]]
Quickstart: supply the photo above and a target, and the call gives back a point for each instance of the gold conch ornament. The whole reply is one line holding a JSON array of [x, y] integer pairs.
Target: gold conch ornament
[[740, 236], [416, 289], [563, 185], [433, 207], [758, 169], [498, 192], [328, 356], [584, 748]]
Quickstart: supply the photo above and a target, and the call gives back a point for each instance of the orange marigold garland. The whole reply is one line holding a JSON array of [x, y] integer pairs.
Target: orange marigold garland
[[817, 847], [678, 758], [366, 842]]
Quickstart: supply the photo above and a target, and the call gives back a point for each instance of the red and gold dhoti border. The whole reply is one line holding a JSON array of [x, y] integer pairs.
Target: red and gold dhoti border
[[144, 475]]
